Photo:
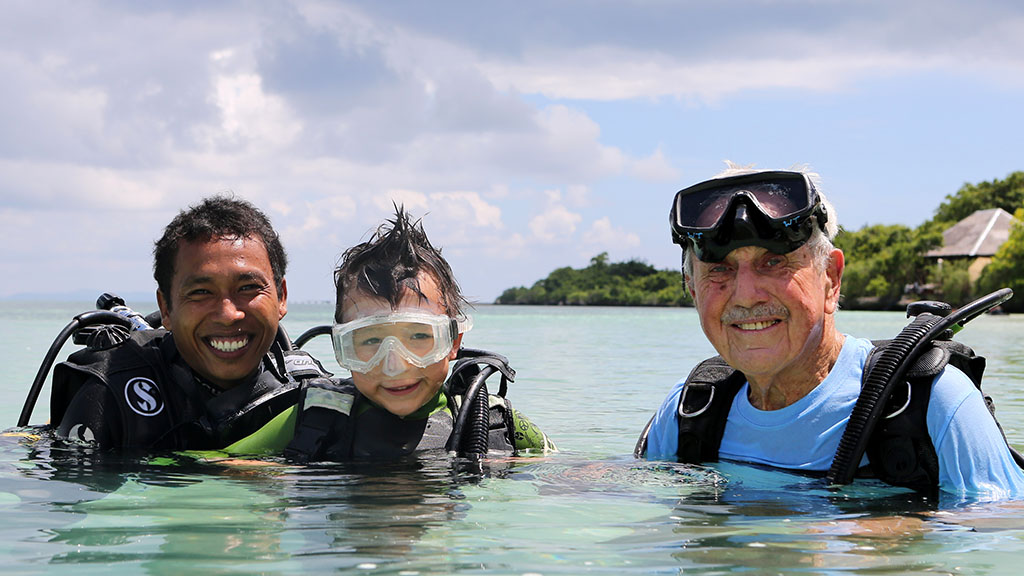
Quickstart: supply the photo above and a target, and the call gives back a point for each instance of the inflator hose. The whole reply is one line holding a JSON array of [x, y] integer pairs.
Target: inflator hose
[[84, 319], [312, 333], [891, 368], [475, 412]]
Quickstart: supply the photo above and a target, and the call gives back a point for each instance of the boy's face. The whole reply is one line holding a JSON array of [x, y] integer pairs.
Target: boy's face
[[408, 387]]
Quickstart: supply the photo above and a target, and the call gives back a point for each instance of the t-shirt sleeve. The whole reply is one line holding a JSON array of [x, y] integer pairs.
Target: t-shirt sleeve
[[92, 416], [973, 457], [663, 435]]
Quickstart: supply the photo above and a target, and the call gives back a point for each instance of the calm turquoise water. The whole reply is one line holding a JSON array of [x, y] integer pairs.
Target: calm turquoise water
[[591, 378]]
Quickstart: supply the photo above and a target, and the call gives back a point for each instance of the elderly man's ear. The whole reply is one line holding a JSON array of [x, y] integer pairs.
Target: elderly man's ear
[[834, 272]]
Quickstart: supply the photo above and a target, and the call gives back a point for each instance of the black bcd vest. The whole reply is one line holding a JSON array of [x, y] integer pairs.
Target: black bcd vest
[[337, 424], [160, 403], [900, 452]]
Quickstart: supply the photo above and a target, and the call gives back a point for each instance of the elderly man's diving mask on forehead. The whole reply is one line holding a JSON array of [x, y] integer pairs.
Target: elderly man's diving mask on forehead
[[772, 210], [419, 338]]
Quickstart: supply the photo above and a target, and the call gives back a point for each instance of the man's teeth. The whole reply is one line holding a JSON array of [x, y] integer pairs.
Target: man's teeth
[[229, 345], [755, 325]]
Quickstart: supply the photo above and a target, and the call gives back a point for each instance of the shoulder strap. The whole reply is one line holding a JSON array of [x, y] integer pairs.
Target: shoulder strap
[[704, 405], [324, 415], [300, 365], [98, 361], [899, 451]]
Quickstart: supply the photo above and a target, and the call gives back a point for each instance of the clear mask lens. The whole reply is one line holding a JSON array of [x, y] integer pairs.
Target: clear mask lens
[[395, 339], [776, 195]]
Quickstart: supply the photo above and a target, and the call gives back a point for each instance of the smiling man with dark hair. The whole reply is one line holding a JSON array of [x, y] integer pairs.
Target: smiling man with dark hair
[[220, 371]]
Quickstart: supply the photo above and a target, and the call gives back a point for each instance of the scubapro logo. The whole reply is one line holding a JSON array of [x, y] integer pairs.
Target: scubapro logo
[[143, 397]]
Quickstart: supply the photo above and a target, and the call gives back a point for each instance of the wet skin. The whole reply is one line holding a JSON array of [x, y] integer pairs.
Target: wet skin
[[223, 308], [771, 317], [410, 387]]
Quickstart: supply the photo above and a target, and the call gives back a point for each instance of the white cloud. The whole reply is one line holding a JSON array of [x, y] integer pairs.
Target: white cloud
[[317, 218], [453, 219], [602, 235], [413, 201], [467, 208], [251, 116], [654, 168], [577, 195], [554, 224], [62, 186], [613, 74], [821, 51]]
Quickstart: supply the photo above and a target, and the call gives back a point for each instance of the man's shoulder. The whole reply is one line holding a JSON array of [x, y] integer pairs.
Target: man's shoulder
[[858, 345], [951, 386]]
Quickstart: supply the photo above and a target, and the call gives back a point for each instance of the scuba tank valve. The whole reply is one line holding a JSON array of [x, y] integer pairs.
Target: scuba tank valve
[[116, 304], [104, 327]]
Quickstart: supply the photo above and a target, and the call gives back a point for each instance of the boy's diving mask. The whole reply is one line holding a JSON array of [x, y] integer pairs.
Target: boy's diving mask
[[768, 209], [418, 338]]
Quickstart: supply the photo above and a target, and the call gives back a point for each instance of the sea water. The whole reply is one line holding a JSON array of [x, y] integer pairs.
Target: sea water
[[591, 378]]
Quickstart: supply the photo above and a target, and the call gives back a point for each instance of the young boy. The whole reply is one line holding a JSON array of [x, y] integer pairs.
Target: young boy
[[399, 323]]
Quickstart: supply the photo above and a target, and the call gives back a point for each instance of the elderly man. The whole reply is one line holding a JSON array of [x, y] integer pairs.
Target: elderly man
[[759, 262], [220, 371]]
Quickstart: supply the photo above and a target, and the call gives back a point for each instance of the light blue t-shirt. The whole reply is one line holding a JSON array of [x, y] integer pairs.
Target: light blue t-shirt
[[973, 458]]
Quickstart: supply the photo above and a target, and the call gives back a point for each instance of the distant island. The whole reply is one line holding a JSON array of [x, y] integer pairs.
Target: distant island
[[887, 266], [629, 283]]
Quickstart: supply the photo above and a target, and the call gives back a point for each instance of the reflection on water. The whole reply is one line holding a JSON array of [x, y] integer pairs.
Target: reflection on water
[[590, 378]]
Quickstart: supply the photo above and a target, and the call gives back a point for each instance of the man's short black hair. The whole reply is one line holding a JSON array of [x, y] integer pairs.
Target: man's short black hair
[[389, 263], [214, 218]]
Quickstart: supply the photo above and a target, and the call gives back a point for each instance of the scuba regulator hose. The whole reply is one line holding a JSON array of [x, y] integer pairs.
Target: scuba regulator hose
[[476, 413], [890, 369], [83, 320], [313, 332]]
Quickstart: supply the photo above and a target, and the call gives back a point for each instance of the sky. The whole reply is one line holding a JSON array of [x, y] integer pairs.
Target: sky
[[527, 135]]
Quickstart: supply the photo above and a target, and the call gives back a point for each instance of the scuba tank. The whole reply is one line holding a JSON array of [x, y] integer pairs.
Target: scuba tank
[[107, 326]]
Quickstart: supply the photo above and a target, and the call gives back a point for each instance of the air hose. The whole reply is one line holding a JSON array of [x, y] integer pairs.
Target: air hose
[[891, 368], [83, 320], [470, 435], [312, 333]]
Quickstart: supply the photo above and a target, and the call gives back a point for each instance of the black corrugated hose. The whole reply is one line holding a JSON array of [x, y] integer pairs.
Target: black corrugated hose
[[472, 425], [878, 386]]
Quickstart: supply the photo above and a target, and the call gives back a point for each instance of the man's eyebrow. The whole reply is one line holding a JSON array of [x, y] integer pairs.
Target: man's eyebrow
[[241, 277], [252, 276], [196, 280]]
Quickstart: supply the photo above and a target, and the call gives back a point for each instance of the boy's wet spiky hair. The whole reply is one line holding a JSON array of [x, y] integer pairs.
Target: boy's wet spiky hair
[[389, 263]]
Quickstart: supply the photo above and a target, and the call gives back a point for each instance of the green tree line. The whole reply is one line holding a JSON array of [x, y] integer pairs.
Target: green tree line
[[882, 261], [629, 283]]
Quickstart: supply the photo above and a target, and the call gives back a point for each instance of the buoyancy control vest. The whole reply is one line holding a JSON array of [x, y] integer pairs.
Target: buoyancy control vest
[[160, 403], [336, 423], [900, 451]]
